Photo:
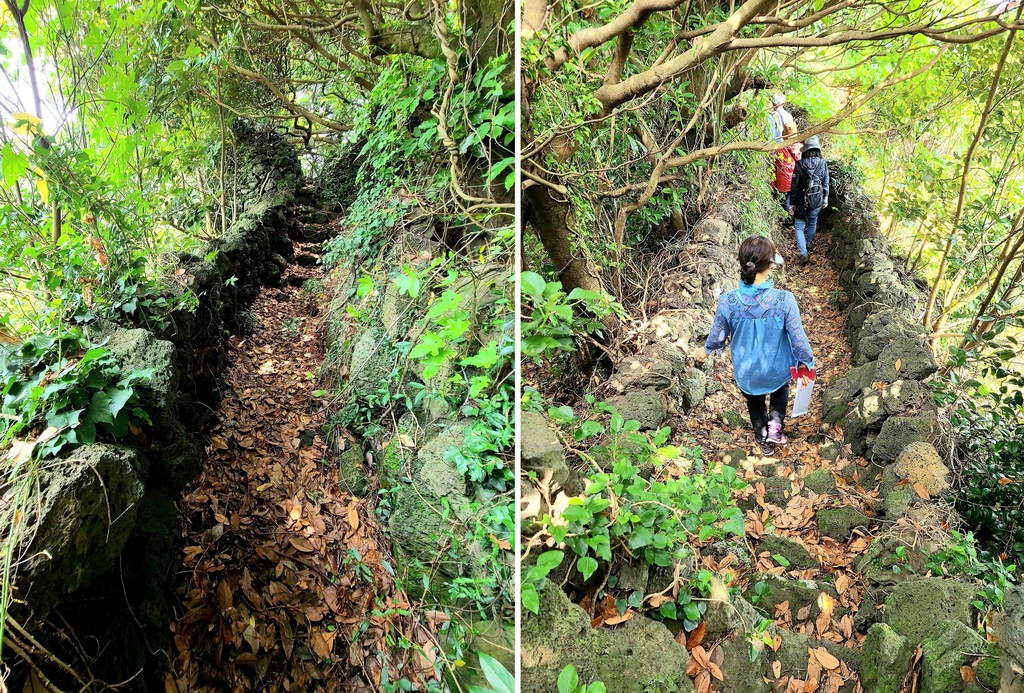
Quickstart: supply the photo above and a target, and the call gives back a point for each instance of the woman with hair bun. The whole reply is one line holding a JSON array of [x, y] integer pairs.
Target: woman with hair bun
[[767, 339]]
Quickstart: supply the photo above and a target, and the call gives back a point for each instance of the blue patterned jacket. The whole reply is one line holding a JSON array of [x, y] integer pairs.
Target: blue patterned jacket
[[767, 336]]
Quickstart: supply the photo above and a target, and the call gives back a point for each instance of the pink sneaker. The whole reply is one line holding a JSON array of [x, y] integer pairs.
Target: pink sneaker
[[775, 435]]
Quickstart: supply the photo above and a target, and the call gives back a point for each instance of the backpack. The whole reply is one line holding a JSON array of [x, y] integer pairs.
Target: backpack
[[814, 188]]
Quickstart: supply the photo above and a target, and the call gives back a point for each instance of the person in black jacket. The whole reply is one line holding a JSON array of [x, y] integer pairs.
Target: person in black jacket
[[810, 186]]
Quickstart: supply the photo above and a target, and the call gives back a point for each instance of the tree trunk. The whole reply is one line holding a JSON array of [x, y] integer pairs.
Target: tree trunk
[[552, 219]]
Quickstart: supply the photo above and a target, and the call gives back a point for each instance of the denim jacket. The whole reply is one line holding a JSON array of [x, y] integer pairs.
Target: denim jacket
[[767, 336]]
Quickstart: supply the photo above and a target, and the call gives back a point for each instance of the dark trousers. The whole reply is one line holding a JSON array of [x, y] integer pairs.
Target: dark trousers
[[776, 411]]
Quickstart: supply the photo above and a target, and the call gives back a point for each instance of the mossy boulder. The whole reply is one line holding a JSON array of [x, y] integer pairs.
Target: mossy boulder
[[640, 656], [646, 406], [732, 419], [794, 552], [81, 520], [840, 393], [777, 491], [801, 595], [725, 617], [418, 529], [886, 658], [920, 463], [896, 499], [743, 671], [722, 437], [139, 350], [351, 475], [794, 657], [900, 431], [840, 522], [371, 361], [540, 449], [883, 328], [829, 451], [822, 482], [909, 359], [692, 388], [947, 647], [916, 607]]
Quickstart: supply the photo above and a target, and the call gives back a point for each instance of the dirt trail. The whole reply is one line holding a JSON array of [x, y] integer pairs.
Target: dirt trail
[[280, 567], [790, 508]]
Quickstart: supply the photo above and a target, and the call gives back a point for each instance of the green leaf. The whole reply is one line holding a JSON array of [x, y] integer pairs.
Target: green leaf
[[586, 566], [496, 674], [100, 409], [364, 287], [485, 358], [118, 398], [568, 680], [781, 560], [641, 537], [14, 165], [549, 560], [529, 597], [533, 285]]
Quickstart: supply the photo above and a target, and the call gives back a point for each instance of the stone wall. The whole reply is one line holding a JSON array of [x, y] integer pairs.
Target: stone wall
[[103, 551], [661, 380], [883, 405]]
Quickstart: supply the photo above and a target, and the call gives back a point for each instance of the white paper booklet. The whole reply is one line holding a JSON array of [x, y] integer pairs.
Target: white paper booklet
[[802, 400]]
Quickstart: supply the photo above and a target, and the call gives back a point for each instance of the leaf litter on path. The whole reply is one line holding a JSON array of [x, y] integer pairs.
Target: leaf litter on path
[[813, 285], [285, 580]]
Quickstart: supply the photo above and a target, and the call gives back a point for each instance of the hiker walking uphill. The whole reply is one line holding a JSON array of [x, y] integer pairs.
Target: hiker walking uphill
[[766, 338], [785, 164], [778, 117], [808, 195]]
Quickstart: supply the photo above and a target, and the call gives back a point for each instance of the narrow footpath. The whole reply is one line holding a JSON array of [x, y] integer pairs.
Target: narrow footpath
[[780, 495], [285, 581]]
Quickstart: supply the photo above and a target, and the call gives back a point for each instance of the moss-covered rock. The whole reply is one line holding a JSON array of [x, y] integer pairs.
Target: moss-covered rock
[[909, 359], [640, 656], [722, 437], [919, 463], [646, 406], [692, 388], [794, 552], [886, 658], [794, 657], [842, 392], [840, 522], [744, 672], [829, 451], [947, 647], [896, 499], [722, 618], [801, 595], [351, 475], [882, 329], [81, 520], [139, 350], [540, 449], [821, 482], [916, 607], [989, 668], [418, 527], [732, 419], [371, 361], [777, 491], [900, 431]]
